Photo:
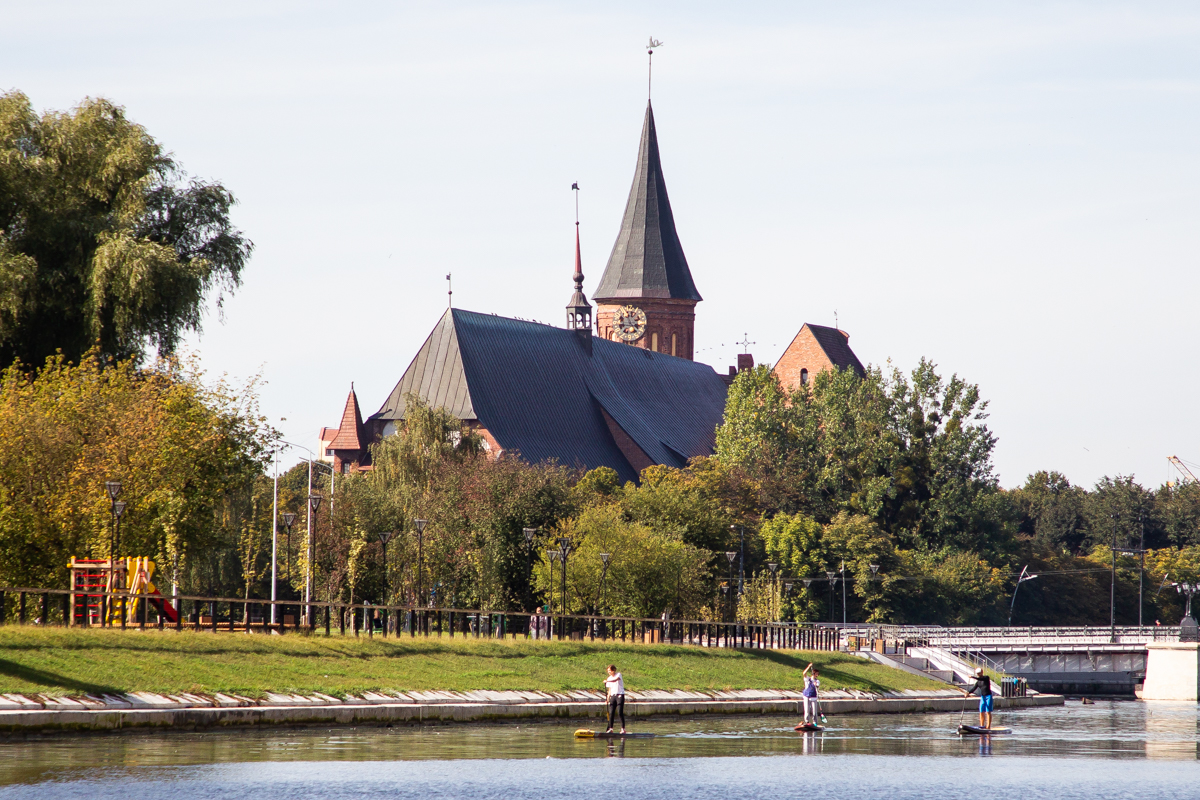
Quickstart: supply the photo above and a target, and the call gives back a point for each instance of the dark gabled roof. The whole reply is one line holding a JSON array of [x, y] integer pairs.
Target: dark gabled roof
[[436, 374], [647, 259], [543, 391], [837, 347]]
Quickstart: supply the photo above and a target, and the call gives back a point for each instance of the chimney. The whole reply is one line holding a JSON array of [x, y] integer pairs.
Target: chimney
[[745, 361]]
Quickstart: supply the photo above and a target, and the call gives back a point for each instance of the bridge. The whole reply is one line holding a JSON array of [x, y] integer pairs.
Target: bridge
[[1062, 660]]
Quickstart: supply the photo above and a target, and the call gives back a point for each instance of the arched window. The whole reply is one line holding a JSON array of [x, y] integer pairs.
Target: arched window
[[804, 377], [673, 345]]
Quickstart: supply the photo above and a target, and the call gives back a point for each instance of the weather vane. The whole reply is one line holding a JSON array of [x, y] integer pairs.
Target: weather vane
[[745, 342], [650, 69], [575, 189], [449, 292]]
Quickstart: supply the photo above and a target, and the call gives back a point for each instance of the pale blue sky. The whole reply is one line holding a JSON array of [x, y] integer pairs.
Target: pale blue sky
[[1010, 189]]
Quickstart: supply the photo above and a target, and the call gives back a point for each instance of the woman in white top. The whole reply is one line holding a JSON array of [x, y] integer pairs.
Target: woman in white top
[[614, 684]]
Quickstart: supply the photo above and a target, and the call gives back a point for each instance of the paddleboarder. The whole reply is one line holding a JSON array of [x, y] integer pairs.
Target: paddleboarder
[[812, 682], [614, 685], [983, 685]]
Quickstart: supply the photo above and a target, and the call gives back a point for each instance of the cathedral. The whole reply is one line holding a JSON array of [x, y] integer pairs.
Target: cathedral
[[618, 389]]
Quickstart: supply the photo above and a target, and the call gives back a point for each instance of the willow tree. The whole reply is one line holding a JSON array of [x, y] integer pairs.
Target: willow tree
[[103, 238]]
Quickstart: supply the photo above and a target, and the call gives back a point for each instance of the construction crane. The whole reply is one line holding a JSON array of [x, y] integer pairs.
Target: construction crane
[[1186, 473]]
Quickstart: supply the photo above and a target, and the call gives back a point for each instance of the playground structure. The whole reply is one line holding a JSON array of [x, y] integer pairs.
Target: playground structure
[[108, 592]]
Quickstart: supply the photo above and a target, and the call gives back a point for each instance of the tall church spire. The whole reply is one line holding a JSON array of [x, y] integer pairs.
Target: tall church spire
[[647, 259], [646, 296]]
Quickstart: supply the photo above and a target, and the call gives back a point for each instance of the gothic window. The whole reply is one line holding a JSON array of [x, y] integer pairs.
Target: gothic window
[[654, 342], [804, 377]]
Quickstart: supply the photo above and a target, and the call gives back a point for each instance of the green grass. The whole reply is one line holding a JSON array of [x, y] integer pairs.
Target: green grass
[[73, 662]]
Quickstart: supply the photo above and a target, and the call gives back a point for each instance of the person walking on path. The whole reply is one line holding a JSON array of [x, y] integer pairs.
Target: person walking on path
[[614, 685], [983, 685], [812, 682]]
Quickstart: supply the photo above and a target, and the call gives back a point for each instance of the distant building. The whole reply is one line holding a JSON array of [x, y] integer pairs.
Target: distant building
[[816, 348], [580, 399]]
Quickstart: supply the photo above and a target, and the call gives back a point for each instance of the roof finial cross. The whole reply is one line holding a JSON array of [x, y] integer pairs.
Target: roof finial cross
[[650, 68], [449, 292], [745, 343]]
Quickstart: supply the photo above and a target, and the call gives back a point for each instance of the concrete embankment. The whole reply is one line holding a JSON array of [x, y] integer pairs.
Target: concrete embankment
[[21, 715]]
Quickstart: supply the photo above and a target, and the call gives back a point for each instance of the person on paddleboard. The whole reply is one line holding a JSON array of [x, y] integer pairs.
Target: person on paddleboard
[[983, 685], [614, 685], [812, 683]]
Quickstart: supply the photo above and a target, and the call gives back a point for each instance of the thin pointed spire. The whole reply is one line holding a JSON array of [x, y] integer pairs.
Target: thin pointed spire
[[579, 310]]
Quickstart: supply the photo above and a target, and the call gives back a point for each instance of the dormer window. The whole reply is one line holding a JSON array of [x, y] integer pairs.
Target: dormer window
[[804, 377]]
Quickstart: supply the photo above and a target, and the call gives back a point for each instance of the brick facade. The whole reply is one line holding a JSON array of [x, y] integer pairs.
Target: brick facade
[[665, 318], [807, 355]]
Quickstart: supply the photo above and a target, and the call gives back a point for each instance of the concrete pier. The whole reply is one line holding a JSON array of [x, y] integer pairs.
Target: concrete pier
[[1172, 672], [424, 707]]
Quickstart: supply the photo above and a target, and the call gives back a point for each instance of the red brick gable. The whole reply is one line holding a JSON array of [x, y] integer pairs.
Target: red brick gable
[[816, 348]]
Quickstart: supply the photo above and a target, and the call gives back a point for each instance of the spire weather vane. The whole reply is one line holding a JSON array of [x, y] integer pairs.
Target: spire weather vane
[[654, 43], [449, 292], [575, 189]]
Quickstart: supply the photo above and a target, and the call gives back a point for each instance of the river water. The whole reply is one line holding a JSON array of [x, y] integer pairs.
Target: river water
[[1113, 749]]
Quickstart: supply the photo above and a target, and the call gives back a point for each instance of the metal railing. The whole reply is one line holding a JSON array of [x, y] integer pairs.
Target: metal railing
[[975, 637], [124, 610]]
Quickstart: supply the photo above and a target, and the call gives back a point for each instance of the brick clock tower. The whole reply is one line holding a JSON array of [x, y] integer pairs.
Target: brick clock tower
[[646, 296]]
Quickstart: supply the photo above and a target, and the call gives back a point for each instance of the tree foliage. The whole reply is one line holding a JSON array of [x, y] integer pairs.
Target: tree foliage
[[187, 456], [103, 238]]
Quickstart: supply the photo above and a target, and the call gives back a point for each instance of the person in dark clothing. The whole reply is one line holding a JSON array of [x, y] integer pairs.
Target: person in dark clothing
[[983, 685], [614, 686]]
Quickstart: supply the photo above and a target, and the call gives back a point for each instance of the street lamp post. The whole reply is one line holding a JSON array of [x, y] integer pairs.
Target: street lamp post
[[1021, 579], [742, 555], [1188, 631], [114, 491], [564, 546], [771, 565], [420, 524], [843, 593], [314, 502], [384, 538], [555, 554], [289, 519], [529, 534], [604, 557], [832, 576], [731, 556]]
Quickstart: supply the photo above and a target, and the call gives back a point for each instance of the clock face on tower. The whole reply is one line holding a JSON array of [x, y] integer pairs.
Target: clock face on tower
[[629, 323]]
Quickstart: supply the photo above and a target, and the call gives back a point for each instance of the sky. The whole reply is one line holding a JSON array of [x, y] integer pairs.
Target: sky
[[1009, 189]]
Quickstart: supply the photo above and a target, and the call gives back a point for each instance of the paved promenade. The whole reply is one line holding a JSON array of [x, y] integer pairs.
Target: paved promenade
[[21, 714]]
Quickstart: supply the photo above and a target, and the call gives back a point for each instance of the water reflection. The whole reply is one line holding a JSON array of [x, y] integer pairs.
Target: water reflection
[[1108, 731]]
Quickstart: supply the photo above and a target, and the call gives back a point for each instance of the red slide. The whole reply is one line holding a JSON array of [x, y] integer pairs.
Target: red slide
[[164, 606]]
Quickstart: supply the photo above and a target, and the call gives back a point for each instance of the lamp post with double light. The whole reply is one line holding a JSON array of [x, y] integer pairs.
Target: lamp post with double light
[[289, 519], [564, 548], [1188, 630], [529, 534], [420, 524]]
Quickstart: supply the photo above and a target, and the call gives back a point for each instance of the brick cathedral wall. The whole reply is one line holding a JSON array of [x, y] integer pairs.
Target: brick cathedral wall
[[663, 317]]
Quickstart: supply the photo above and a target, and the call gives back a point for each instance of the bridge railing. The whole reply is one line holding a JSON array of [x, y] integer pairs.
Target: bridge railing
[[1008, 636]]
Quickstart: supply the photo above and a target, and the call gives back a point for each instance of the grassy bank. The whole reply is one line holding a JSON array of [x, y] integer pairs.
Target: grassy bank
[[57, 661]]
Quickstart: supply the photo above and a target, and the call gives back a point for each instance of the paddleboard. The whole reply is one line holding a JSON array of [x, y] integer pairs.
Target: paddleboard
[[808, 727], [975, 730], [584, 733]]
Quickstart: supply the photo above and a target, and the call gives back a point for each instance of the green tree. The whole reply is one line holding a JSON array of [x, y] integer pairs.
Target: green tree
[[103, 239], [1051, 511]]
